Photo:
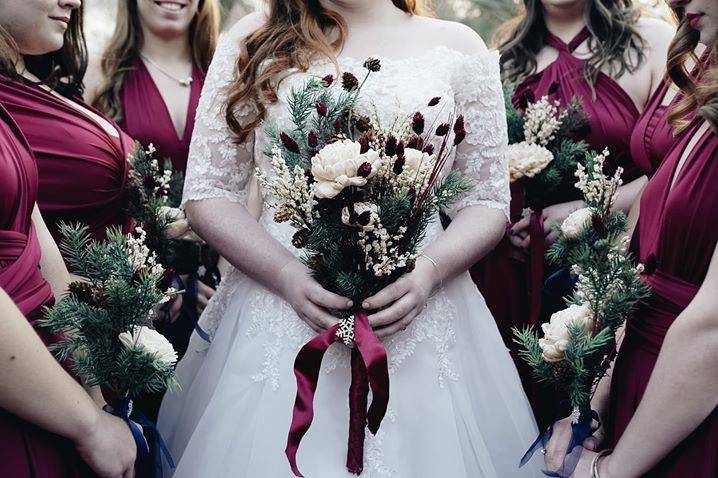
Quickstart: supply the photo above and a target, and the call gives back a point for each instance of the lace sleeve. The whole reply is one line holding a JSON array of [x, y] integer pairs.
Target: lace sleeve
[[482, 156], [217, 166]]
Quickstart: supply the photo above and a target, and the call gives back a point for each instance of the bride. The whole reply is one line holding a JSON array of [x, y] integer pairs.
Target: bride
[[456, 408]]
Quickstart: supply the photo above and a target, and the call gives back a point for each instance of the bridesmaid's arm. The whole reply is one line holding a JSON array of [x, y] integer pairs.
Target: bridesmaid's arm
[[51, 263], [685, 373]]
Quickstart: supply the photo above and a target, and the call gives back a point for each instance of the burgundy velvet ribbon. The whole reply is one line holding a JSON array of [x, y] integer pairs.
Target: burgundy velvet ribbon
[[369, 365], [537, 250]]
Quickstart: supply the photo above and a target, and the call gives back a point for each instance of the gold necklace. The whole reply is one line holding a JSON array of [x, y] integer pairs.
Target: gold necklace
[[182, 81]]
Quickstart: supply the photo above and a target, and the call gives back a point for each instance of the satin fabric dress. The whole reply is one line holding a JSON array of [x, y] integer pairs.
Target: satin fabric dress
[[675, 238], [83, 169], [514, 288], [26, 451], [147, 119]]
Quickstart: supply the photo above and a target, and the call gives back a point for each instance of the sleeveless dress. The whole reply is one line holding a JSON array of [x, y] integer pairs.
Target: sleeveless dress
[[456, 407], [26, 451], [513, 288], [83, 169], [147, 119], [670, 219]]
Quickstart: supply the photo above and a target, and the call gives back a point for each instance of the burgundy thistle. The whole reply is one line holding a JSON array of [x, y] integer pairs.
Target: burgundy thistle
[[312, 140], [328, 80], [443, 129], [399, 165], [338, 124], [428, 149], [322, 109], [400, 148], [434, 101], [349, 82], [390, 146], [459, 124], [289, 142], [415, 143], [364, 170], [149, 181], [459, 137], [553, 89], [372, 64], [526, 98], [364, 145], [417, 123]]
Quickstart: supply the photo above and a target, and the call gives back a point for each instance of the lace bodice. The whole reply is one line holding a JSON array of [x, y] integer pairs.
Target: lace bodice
[[219, 168]]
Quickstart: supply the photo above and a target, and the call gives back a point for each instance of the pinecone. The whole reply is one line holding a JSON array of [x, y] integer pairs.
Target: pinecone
[[372, 64], [362, 124], [410, 265], [300, 238], [349, 82], [282, 214], [87, 294], [314, 263]]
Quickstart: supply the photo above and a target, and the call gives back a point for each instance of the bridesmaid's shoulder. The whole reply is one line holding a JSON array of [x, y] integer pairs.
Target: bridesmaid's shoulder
[[453, 35]]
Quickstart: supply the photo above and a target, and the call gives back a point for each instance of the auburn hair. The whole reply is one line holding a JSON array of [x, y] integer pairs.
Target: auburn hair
[[700, 91], [62, 70], [125, 45], [296, 31], [614, 41]]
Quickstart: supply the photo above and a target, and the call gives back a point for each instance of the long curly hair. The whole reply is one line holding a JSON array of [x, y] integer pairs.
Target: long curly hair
[[614, 42], [124, 48], [700, 91], [62, 70], [294, 33]]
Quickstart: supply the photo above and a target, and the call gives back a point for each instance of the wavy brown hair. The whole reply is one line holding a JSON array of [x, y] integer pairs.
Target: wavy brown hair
[[294, 33], [124, 49], [614, 42], [62, 70], [700, 91]]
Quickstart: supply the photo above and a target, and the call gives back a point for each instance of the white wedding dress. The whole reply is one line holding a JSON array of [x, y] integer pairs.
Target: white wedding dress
[[456, 409]]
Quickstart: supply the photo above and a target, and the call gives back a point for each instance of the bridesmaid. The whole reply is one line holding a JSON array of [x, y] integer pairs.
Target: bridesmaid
[[81, 155], [602, 52], [670, 349], [153, 71], [37, 439]]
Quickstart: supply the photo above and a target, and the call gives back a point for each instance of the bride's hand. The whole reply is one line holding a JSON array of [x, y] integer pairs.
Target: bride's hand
[[308, 298], [407, 296]]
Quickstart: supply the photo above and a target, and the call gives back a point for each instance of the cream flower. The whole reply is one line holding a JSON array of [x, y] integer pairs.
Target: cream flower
[[556, 332], [576, 222], [150, 341], [527, 160], [336, 166], [416, 161], [361, 209]]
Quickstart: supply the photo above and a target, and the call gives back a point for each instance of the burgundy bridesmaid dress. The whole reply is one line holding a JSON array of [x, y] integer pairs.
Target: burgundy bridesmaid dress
[[83, 169], [147, 119], [671, 218], [26, 451], [514, 288]]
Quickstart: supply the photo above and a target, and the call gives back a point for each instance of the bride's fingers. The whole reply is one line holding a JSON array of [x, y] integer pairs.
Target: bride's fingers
[[394, 313], [398, 326], [329, 300], [320, 317], [387, 295]]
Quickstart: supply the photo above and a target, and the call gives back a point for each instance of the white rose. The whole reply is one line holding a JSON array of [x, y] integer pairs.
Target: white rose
[[150, 341], [416, 161], [361, 208], [336, 166], [527, 160], [556, 332], [576, 222]]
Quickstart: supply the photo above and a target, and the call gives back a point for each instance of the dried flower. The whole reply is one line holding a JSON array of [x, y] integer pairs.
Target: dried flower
[[372, 64], [283, 213], [349, 82], [553, 89], [336, 167], [556, 332], [328, 80], [443, 129], [400, 148], [459, 137], [364, 215], [415, 142], [364, 143], [362, 124], [364, 170], [149, 341], [322, 109], [390, 146], [289, 142], [300, 238], [417, 123], [459, 124], [399, 165], [312, 140], [434, 101], [338, 125], [527, 160], [428, 149], [576, 222]]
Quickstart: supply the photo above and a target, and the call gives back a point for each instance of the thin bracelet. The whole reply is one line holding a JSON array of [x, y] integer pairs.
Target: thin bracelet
[[596, 461], [436, 266]]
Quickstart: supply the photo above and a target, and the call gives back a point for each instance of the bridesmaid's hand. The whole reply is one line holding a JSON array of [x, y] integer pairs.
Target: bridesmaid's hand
[[109, 448], [519, 236], [561, 437], [308, 298], [583, 467], [405, 298], [554, 216]]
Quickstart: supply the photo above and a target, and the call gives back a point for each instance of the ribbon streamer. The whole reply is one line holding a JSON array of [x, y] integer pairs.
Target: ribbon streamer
[[369, 365], [537, 251]]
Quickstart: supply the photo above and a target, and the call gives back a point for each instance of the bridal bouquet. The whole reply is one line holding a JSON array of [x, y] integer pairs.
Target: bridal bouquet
[[360, 197], [579, 342], [105, 322]]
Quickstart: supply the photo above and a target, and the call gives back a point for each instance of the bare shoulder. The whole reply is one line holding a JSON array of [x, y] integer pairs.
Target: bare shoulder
[[656, 32], [93, 76], [246, 25], [454, 35]]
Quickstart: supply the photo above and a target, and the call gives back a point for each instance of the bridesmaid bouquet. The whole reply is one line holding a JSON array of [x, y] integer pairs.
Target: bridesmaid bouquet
[[543, 147], [579, 342], [105, 324], [360, 197]]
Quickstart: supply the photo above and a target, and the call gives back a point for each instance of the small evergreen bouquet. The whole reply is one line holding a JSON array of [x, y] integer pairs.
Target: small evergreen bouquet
[[544, 147], [106, 322], [360, 197], [579, 342]]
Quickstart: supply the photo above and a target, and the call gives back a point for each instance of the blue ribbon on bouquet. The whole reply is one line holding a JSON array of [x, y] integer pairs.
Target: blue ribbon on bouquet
[[579, 432], [560, 284], [189, 304], [146, 465]]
